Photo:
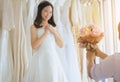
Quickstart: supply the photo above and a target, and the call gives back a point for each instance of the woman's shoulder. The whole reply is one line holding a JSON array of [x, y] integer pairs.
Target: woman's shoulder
[[33, 28]]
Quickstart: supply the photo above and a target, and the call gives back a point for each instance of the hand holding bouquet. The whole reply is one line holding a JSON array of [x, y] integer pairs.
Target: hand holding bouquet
[[89, 36]]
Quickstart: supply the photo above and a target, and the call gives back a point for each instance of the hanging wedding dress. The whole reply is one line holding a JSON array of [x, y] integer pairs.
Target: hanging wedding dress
[[88, 14], [18, 42], [29, 8], [77, 22], [15, 41], [23, 49], [67, 54], [6, 59]]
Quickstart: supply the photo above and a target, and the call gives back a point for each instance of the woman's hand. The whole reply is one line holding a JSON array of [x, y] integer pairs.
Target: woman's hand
[[52, 29], [47, 29], [56, 34]]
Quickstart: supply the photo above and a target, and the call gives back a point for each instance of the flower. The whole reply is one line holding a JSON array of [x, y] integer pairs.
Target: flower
[[89, 34]]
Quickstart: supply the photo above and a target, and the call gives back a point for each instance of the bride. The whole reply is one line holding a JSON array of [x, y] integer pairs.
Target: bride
[[45, 66]]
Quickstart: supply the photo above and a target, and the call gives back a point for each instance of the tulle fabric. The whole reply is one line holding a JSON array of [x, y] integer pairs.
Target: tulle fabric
[[67, 55], [6, 62], [45, 66]]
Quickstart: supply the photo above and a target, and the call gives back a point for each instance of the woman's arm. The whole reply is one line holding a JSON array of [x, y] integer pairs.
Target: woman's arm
[[58, 38], [100, 54], [90, 61], [36, 42]]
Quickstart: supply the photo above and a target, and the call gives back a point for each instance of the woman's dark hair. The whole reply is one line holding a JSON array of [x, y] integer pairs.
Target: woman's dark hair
[[38, 18]]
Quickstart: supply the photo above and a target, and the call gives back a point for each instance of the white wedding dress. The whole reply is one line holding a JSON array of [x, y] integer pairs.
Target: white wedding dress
[[45, 66]]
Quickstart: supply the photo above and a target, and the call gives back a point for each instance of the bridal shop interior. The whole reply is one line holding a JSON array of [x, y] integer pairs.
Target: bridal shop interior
[[17, 16]]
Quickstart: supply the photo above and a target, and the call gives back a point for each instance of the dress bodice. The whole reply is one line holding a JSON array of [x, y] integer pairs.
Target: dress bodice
[[48, 44]]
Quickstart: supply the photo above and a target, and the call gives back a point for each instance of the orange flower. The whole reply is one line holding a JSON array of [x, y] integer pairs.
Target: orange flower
[[90, 34]]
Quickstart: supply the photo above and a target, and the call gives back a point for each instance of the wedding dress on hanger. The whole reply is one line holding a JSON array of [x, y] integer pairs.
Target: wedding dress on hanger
[[14, 43], [6, 60], [68, 54]]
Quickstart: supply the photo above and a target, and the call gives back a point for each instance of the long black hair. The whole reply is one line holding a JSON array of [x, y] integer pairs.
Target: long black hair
[[38, 19]]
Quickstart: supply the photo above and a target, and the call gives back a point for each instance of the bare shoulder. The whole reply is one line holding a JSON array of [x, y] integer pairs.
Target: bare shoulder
[[56, 28], [33, 27], [33, 30]]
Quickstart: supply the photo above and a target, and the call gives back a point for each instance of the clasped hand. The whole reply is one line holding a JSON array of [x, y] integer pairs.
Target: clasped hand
[[49, 28]]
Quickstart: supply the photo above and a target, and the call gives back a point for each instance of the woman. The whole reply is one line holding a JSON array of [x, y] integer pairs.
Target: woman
[[45, 66]]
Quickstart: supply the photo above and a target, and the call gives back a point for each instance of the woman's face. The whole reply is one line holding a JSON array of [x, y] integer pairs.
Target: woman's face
[[46, 13]]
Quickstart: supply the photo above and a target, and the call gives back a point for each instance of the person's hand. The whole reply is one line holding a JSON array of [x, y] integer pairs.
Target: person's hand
[[47, 29], [91, 47], [52, 29]]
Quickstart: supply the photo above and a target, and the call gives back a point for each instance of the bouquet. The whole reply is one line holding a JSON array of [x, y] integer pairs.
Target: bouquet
[[89, 36]]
